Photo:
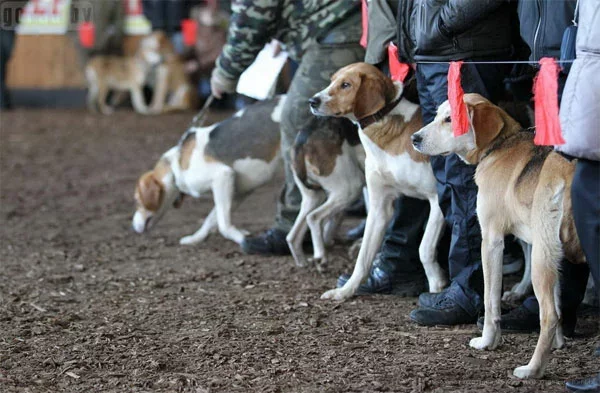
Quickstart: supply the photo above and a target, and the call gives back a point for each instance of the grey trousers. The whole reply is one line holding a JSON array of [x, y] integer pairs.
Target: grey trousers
[[318, 64]]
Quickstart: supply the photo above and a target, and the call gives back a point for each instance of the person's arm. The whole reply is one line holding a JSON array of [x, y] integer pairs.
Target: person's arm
[[252, 25], [456, 16]]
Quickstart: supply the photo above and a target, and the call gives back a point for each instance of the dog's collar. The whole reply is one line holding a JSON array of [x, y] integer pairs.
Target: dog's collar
[[380, 114]]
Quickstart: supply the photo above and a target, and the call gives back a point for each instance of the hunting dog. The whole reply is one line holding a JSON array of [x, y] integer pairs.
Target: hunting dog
[[231, 158], [328, 168], [386, 121], [524, 190], [121, 74]]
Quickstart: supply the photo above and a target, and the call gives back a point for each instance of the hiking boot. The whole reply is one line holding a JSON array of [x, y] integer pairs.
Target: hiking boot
[[445, 311]]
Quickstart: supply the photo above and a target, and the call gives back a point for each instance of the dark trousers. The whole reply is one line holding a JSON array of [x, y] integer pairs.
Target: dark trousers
[[7, 39], [585, 194], [456, 187]]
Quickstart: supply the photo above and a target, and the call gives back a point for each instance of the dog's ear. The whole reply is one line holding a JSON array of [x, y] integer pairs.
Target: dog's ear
[[486, 121], [370, 97], [150, 191], [179, 200]]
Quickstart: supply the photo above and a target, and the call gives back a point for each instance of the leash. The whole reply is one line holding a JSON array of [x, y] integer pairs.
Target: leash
[[198, 120]]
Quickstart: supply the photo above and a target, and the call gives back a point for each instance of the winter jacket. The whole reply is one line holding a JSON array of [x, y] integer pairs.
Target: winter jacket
[[166, 15], [580, 106], [295, 23], [543, 23], [441, 30]]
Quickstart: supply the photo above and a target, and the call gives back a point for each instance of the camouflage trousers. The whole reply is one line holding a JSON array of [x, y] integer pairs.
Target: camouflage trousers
[[319, 62]]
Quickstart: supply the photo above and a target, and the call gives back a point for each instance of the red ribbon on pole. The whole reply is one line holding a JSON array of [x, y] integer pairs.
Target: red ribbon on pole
[[189, 28], [398, 71], [365, 24], [87, 34], [545, 91], [458, 109]]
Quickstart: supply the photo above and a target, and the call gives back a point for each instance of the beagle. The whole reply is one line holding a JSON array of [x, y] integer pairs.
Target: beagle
[[386, 121], [524, 190], [231, 158], [121, 74], [328, 168]]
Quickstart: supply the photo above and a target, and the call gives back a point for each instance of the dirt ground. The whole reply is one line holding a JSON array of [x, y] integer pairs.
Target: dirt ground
[[86, 305]]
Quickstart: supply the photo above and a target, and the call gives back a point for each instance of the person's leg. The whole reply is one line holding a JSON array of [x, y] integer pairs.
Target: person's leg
[[462, 301], [319, 62], [7, 38]]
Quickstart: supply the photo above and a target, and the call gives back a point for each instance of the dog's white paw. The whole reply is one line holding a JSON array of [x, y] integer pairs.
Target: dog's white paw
[[188, 240], [338, 294], [527, 372], [245, 232], [511, 296], [482, 343]]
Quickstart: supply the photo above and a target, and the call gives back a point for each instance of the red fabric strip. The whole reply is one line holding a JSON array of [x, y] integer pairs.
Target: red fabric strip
[[365, 24], [189, 28], [545, 90], [87, 34], [398, 70], [458, 109]]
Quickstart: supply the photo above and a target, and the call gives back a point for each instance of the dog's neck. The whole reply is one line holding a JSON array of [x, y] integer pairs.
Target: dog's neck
[[388, 108], [511, 128]]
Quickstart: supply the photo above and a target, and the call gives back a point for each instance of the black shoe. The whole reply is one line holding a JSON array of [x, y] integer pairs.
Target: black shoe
[[382, 282], [522, 320], [270, 242], [357, 232], [588, 385], [428, 299], [444, 312]]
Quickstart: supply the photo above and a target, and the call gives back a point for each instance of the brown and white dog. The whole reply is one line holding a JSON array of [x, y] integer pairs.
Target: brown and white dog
[[121, 74], [328, 168], [231, 158], [387, 120], [524, 190]]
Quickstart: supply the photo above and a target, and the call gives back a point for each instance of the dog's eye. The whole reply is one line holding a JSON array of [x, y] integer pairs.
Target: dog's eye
[[345, 85], [448, 119]]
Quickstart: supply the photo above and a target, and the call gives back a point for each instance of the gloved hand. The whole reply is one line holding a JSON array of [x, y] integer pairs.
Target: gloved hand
[[220, 84]]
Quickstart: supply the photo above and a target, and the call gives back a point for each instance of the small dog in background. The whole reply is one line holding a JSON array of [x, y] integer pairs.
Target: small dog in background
[[231, 158], [121, 74], [328, 166]]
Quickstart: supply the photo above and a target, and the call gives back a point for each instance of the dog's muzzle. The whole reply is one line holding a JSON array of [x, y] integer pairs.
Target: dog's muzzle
[[417, 140]]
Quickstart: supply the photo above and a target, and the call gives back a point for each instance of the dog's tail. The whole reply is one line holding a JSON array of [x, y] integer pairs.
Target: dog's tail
[[299, 158]]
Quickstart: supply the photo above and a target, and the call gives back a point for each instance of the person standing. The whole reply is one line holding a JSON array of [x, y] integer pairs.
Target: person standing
[[322, 36]]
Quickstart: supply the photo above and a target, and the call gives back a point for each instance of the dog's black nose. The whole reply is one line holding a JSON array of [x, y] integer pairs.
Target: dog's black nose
[[416, 139], [314, 102]]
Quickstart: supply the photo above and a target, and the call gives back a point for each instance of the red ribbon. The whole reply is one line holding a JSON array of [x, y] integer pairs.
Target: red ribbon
[[458, 109], [398, 71], [87, 34], [545, 90], [365, 24], [189, 28]]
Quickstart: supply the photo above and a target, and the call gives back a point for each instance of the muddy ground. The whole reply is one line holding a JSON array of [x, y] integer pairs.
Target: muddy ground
[[86, 305]]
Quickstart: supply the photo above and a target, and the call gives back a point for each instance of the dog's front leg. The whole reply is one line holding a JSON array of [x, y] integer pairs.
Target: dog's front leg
[[492, 247], [436, 277], [523, 287], [160, 90], [208, 226], [138, 101], [223, 188], [380, 213], [310, 200]]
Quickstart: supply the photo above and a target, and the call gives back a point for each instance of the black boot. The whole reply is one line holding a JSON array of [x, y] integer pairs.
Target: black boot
[[270, 242]]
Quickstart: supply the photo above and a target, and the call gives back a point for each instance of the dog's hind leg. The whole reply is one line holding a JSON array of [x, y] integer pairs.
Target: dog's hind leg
[[492, 247], [331, 228], [102, 97], [545, 258], [436, 276], [380, 213], [223, 188], [138, 101], [310, 200], [208, 226]]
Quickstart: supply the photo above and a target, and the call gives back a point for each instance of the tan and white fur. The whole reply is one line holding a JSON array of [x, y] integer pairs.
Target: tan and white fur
[[121, 74], [392, 167], [328, 167], [524, 190], [230, 158]]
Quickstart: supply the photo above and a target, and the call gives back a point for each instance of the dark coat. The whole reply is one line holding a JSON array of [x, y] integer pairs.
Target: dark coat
[[442, 30]]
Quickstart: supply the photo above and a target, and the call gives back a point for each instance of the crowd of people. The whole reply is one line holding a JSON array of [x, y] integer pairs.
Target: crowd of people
[[487, 36]]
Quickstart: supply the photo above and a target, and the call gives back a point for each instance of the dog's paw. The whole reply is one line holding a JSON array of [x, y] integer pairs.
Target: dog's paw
[[188, 240], [337, 294], [483, 343], [527, 372], [511, 296]]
